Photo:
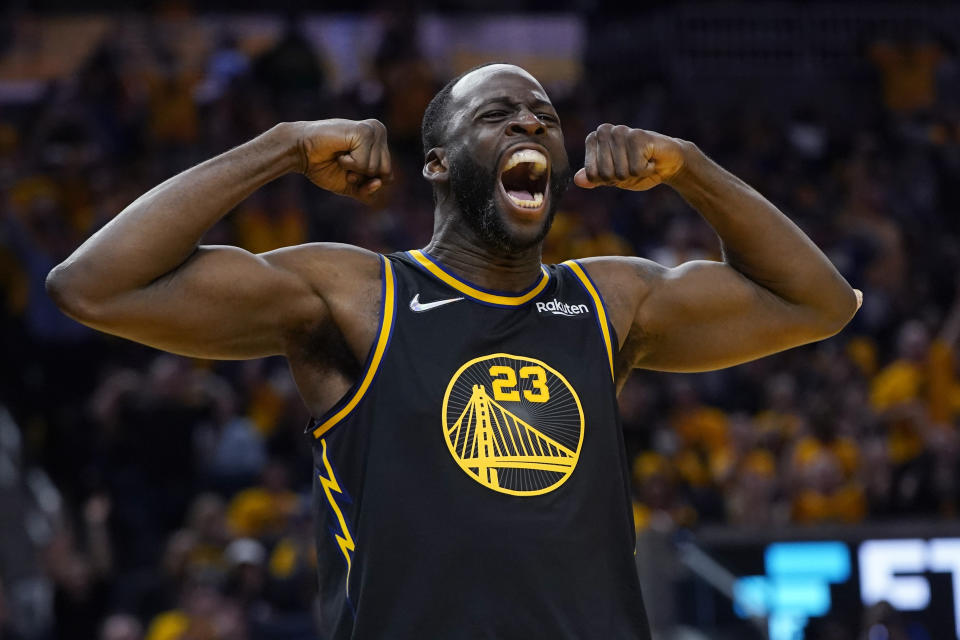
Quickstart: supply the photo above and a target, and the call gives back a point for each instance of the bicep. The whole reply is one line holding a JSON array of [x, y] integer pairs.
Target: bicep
[[704, 315], [222, 302]]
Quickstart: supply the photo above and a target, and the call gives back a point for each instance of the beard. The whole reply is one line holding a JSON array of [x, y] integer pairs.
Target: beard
[[474, 186]]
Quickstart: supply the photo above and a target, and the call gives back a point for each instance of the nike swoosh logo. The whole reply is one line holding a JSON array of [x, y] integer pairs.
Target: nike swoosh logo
[[426, 306]]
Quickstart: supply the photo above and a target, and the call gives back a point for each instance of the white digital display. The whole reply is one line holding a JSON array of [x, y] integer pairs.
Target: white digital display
[[885, 573], [895, 571], [800, 577]]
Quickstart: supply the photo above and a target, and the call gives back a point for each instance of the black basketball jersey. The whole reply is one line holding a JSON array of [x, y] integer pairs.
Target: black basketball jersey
[[474, 483]]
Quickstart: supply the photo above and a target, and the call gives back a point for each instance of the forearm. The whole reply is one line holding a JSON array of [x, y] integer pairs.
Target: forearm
[[162, 228], [761, 242]]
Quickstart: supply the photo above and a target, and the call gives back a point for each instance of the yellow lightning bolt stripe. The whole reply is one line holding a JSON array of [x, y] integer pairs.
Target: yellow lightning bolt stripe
[[330, 485]]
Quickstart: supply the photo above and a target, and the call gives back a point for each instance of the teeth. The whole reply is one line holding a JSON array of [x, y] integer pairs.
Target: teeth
[[528, 204], [537, 161]]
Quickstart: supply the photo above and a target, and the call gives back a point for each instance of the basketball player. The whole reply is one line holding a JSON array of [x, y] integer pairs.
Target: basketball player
[[470, 477]]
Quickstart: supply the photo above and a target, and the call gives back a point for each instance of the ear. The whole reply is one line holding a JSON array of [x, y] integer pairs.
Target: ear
[[435, 165]]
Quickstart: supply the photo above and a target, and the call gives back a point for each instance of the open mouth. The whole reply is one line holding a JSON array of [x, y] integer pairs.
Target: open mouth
[[524, 178]]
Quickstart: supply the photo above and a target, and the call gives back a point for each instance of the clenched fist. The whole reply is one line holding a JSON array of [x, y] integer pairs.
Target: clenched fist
[[618, 156], [347, 157]]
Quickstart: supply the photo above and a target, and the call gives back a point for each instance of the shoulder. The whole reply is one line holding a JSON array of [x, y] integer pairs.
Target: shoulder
[[624, 282], [323, 257], [343, 279], [328, 266], [622, 270]]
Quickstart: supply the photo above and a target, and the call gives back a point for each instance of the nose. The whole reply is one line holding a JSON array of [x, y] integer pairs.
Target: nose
[[527, 123]]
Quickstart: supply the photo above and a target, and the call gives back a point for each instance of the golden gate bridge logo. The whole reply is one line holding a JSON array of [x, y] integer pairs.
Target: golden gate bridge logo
[[513, 423]]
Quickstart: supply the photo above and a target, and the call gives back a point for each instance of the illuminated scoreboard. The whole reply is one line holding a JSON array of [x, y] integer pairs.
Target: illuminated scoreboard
[[792, 583]]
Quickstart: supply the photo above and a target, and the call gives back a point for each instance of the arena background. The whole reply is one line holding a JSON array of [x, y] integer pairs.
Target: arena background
[[813, 494]]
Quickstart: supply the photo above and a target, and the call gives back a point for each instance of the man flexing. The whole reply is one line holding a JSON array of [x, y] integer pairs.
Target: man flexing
[[470, 476]]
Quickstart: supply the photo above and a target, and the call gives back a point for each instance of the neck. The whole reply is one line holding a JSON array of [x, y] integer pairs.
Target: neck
[[464, 254]]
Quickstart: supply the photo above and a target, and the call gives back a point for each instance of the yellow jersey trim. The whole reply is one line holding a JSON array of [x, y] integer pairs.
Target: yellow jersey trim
[[383, 337], [598, 303], [467, 289]]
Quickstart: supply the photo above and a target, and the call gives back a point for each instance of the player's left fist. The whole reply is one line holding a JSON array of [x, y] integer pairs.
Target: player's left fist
[[635, 159]]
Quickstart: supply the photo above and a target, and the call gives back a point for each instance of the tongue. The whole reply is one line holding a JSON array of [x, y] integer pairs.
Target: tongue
[[520, 195]]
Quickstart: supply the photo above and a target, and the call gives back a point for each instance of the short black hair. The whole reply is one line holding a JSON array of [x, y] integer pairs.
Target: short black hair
[[434, 118]]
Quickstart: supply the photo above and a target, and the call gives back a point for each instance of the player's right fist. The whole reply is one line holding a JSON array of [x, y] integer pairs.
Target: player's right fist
[[348, 157]]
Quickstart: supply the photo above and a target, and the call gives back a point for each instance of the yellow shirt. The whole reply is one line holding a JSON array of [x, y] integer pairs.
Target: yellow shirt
[[848, 505], [170, 625], [909, 75], [843, 449], [256, 512]]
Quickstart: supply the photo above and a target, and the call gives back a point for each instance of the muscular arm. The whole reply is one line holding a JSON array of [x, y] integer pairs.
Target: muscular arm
[[774, 289], [144, 277]]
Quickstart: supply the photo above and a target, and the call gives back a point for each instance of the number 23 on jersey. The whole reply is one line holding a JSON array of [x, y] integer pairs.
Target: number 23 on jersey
[[504, 380]]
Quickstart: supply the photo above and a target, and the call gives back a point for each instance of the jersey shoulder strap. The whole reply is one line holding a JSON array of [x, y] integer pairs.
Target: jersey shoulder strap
[[603, 321]]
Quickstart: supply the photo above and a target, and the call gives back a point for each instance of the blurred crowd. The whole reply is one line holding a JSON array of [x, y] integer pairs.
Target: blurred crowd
[[156, 497]]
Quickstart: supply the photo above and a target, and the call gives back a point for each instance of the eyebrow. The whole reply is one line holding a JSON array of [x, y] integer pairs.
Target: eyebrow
[[538, 103]]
